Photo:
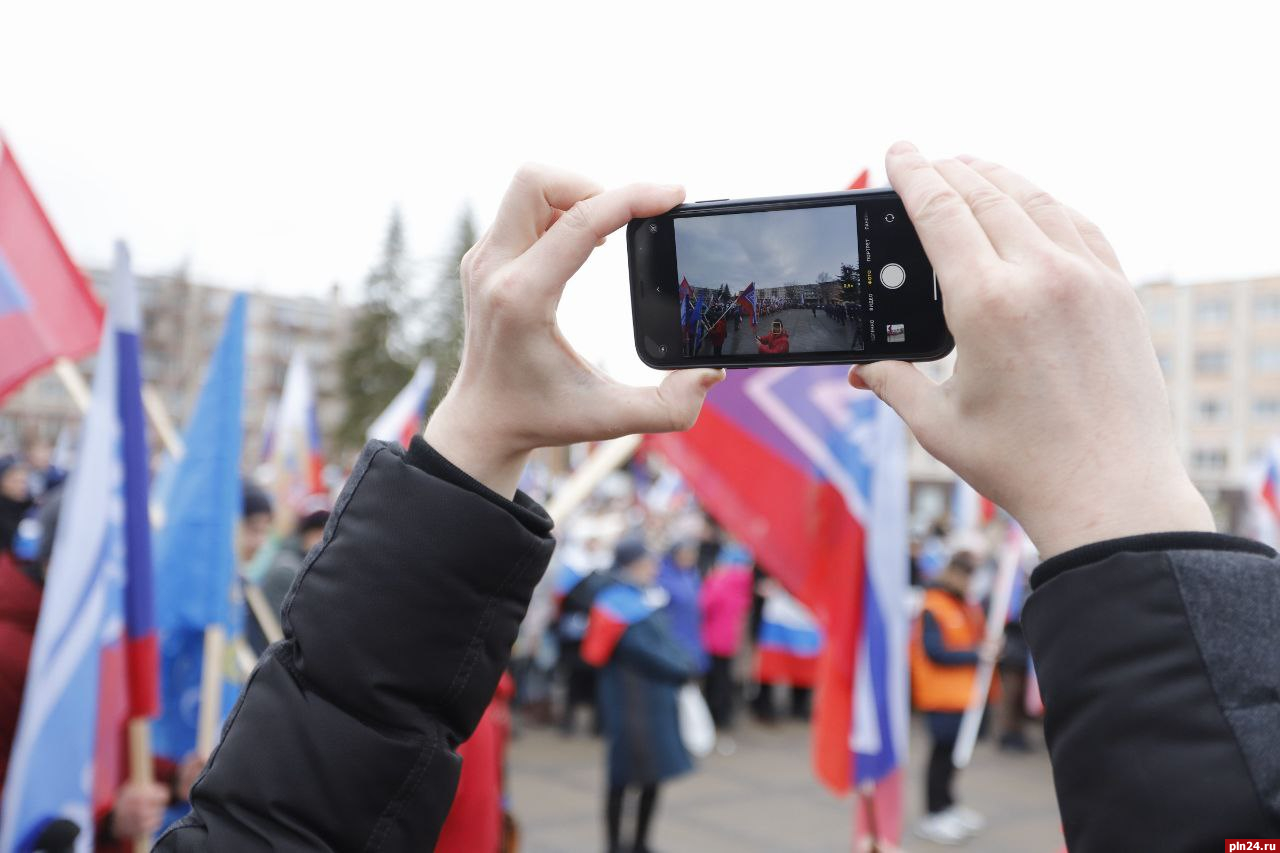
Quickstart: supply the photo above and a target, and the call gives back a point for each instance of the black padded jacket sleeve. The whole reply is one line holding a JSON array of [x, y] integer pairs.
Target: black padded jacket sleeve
[[1159, 664], [397, 630]]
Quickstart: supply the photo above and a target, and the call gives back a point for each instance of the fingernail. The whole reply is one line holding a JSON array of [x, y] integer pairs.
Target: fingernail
[[902, 146], [714, 377]]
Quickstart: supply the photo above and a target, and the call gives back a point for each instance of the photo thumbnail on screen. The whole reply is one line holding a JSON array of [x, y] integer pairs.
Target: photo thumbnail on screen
[[771, 282]]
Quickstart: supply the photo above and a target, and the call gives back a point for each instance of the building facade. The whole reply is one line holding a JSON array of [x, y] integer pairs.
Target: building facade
[[1218, 344], [181, 322]]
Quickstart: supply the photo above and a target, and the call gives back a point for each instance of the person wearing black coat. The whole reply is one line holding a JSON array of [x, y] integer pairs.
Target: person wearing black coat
[[1155, 639]]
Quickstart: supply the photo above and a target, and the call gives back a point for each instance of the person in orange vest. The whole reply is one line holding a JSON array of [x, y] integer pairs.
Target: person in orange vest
[[947, 641]]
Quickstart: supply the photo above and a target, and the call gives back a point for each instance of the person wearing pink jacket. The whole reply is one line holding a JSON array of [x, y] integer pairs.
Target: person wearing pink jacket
[[725, 600]]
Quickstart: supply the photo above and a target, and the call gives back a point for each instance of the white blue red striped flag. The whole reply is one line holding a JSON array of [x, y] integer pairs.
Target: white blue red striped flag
[[93, 661], [402, 420]]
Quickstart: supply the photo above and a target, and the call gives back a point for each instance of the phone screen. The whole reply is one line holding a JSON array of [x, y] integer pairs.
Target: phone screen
[[792, 281]]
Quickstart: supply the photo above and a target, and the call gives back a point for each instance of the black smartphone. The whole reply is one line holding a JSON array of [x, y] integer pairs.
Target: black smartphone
[[808, 279]]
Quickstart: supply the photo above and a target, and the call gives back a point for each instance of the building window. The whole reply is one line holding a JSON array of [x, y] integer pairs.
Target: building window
[[1266, 408], [1209, 459], [1211, 409], [1266, 306], [1266, 359], [1213, 311], [1211, 361], [1159, 313]]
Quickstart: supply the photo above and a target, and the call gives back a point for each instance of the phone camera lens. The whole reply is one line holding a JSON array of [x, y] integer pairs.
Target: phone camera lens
[[653, 228], [662, 349]]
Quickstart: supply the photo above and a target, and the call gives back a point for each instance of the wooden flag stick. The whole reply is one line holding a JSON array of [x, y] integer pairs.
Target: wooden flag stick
[[600, 464], [140, 769], [161, 422], [215, 646], [1001, 596], [77, 388], [267, 619]]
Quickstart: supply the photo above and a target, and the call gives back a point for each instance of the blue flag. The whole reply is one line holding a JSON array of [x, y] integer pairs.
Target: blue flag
[[195, 557]]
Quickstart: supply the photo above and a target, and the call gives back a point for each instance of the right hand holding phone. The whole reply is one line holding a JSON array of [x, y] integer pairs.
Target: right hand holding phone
[[1057, 410]]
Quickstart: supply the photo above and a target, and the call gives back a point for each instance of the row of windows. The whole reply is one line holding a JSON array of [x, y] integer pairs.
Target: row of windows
[[1266, 359], [1216, 410], [1216, 310]]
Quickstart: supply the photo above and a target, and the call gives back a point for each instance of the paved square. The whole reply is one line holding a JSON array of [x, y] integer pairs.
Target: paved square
[[764, 798]]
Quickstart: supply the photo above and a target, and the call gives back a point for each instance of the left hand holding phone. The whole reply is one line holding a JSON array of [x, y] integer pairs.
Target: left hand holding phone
[[521, 385]]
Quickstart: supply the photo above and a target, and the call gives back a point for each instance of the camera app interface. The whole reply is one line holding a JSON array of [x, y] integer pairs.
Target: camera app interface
[[848, 278]]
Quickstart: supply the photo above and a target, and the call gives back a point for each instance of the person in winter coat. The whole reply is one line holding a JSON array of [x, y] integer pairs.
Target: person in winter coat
[[642, 668], [719, 330], [945, 646], [477, 822], [725, 601], [1154, 638], [776, 342], [678, 576]]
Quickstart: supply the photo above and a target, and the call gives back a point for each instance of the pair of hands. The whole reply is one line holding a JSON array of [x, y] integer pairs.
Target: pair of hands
[[1056, 409]]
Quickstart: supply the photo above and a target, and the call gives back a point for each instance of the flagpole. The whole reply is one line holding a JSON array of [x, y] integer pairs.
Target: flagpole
[[161, 422], [600, 464], [215, 647], [1001, 596], [140, 766], [77, 388]]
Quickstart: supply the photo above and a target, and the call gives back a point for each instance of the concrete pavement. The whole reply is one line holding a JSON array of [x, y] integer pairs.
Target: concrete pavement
[[764, 798]]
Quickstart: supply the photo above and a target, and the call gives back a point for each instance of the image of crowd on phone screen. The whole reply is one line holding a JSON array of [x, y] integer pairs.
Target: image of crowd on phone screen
[[794, 283]]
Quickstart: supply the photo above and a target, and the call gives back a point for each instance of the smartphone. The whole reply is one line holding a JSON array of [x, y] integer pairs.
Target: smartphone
[[809, 279]]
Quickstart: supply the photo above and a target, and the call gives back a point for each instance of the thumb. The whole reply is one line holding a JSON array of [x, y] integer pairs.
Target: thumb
[[907, 391], [672, 406]]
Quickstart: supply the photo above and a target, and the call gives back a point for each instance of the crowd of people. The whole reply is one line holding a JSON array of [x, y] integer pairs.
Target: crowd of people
[[646, 596]]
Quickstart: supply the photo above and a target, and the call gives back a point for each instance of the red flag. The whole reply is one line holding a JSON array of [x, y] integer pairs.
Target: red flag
[[862, 181], [46, 307]]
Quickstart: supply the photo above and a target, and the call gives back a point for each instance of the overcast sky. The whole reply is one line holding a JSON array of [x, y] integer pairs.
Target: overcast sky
[[771, 249], [266, 143]]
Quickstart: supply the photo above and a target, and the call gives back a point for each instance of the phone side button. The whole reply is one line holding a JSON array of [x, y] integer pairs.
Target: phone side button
[[710, 200]]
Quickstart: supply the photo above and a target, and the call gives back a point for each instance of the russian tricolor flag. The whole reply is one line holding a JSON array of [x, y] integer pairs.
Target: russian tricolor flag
[[93, 663], [747, 302], [615, 609], [402, 420], [293, 446], [811, 475]]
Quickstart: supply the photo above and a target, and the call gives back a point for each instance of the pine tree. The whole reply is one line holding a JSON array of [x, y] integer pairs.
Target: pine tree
[[445, 320], [377, 361]]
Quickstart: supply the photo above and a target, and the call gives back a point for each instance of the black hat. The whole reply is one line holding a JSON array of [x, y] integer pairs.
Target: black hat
[[629, 550], [256, 501]]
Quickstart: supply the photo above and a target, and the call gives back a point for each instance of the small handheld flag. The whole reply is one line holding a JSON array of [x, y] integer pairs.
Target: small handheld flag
[[195, 547], [747, 302], [402, 420]]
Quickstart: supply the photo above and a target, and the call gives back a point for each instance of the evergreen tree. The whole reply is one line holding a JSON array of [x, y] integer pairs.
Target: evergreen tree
[[377, 361], [445, 319]]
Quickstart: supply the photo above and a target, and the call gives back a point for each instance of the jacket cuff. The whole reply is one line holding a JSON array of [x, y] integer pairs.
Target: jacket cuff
[[1146, 543], [524, 508]]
